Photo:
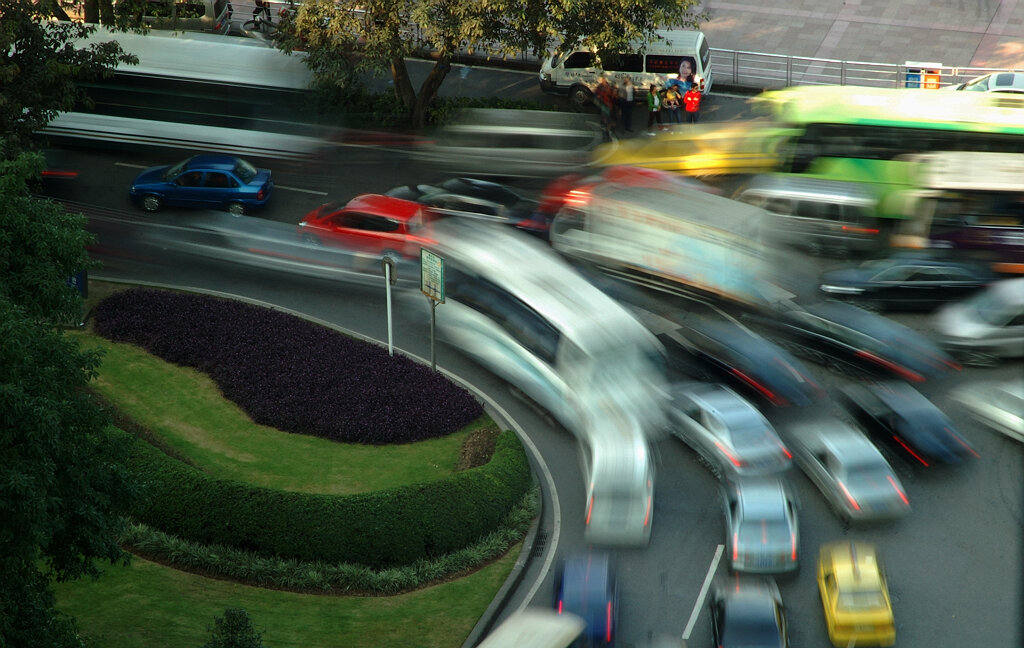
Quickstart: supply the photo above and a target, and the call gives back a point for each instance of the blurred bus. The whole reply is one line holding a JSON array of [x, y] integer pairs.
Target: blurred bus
[[871, 135], [974, 203], [671, 238]]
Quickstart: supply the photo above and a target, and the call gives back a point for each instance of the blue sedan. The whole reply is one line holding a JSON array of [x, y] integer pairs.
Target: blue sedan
[[204, 182]]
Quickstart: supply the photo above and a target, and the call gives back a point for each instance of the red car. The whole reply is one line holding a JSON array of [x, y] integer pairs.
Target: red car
[[370, 224]]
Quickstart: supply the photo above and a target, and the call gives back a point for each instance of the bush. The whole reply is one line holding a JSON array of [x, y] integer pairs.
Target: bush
[[288, 373], [234, 630]]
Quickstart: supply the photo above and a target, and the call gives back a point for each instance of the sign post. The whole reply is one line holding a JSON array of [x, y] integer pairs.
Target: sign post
[[390, 279], [432, 285]]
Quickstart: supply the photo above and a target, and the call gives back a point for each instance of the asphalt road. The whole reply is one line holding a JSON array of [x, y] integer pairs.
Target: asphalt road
[[955, 564]]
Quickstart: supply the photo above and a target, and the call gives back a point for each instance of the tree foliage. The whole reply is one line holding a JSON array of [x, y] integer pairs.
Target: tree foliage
[[40, 64], [63, 485], [234, 630], [342, 37]]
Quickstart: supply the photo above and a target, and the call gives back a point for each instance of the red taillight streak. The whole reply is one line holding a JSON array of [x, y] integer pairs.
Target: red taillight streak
[[608, 624], [59, 174], [647, 512], [792, 543], [590, 509], [769, 394], [577, 198], [735, 545], [907, 448], [856, 506], [559, 606], [903, 371], [736, 462], [899, 491], [961, 442], [860, 230], [785, 450]]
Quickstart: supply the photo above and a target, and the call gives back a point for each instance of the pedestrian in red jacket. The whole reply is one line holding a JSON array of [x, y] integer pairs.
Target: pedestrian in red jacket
[[691, 102]]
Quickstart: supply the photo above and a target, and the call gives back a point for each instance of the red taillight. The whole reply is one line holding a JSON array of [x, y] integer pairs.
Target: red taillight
[[49, 173], [260, 194], [577, 198], [859, 230], [899, 491], [853, 502], [736, 462], [559, 606], [647, 512], [608, 624], [891, 366], [912, 453], [792, 542], [735, 546], [770, 395], [785, 451], [961, 441], [590, 509]]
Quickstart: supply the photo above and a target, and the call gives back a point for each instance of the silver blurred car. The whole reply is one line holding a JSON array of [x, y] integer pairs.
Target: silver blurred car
[[848, 470], [986, 327], [997, 404], [762, 532], [725, 429]]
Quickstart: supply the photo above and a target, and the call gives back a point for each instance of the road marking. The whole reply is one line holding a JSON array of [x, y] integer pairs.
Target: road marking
[[131, 166], [703, 592]]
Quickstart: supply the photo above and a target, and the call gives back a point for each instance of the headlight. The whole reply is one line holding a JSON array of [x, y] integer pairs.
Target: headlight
[[841, 290]]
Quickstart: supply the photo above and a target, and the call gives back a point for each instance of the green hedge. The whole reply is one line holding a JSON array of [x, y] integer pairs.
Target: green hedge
[[382, 529]]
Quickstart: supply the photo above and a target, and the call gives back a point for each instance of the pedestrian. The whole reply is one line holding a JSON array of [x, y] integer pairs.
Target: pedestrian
[[626, 104], [671, 104], [604, 99], [653, 108], [691, 102]]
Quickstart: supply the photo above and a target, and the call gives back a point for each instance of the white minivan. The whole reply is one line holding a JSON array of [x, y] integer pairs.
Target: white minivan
[[576, 73]]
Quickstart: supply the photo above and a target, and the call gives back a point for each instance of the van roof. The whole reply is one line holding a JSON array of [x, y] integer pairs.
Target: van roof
[[541, 278], [810, 187], [688, 38]]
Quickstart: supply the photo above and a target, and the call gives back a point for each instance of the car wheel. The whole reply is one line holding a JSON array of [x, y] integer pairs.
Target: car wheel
[[151, 203], [580, 96], [236, 209]]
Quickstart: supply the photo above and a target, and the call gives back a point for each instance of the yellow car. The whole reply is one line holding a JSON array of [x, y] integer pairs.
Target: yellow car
[[858, 611], [700, 149]]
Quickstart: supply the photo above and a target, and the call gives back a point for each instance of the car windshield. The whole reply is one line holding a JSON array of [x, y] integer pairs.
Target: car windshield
[[751, 624], [860, 599], [173, 172], [245, 171], [991, 308]]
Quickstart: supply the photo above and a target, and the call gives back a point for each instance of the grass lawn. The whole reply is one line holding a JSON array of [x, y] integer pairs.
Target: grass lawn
[[149, 605], [146, 605]]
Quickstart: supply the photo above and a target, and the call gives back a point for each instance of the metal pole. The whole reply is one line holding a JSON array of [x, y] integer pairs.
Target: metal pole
[[433, 312], [387, 287]]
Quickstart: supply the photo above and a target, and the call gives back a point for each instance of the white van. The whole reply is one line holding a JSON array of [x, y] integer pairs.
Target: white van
[[576, 73]]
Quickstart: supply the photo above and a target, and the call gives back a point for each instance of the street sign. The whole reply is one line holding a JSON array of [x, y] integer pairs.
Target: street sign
[[432, 275]]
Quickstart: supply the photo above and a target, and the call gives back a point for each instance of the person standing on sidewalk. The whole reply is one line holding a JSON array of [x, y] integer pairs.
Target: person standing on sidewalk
[[671, 104], [653, 108], [691, 102], [626, 104]]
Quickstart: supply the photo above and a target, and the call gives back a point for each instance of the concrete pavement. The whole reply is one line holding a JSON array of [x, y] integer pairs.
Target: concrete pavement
[[960, 33]]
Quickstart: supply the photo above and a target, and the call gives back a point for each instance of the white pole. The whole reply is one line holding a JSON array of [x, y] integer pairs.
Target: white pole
[[387, 286]]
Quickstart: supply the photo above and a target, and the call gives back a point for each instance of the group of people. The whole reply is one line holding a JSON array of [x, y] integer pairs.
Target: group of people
[[679, 96]]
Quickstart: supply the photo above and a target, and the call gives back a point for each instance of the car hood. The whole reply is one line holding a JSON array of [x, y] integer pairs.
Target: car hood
[[845, 277], [152, 175], [958, 321]]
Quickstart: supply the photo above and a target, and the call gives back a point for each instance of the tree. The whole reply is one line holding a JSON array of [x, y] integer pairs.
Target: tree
[[234, 630], [39, 67], [63, 484], [342, 37]]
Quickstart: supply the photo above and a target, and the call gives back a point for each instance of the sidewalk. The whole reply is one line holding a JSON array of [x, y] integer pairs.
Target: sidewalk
[[965, 33]]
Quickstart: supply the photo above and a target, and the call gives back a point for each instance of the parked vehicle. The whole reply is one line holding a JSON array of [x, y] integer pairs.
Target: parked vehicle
[[998, 404], [369, 224], [899, 415], [848, 469], [986, 327], [726, 430], [855, 595], [908, 282], [748, 614], [855, 341], [204, 182], [586, 587], [995, 82], [762, 532], [722, 351]]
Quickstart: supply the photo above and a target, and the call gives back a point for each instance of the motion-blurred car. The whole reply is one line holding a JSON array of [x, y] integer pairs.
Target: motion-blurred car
[[848, 469], [204, 182], [986, 327], [700, 150], [372, 224], [473, 198], [724, 351], [907, 282], [726, 430], [586, 587], [762, 530], [899, 415], [855, 595], [856, 341], [997, 404], [995, 82], [748, 613]]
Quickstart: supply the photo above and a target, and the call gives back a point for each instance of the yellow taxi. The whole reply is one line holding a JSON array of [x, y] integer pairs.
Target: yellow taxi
[[858, 611], [701, 149]]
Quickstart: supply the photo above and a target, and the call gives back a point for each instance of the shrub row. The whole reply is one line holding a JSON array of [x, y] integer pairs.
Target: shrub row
[[319, 576], [382, 529], [288, 373]]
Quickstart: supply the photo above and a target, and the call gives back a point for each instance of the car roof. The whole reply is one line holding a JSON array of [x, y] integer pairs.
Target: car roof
[[1006, 80], [729, 405], [386, 206], [760, 494], [210, 161], [854, 563]]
